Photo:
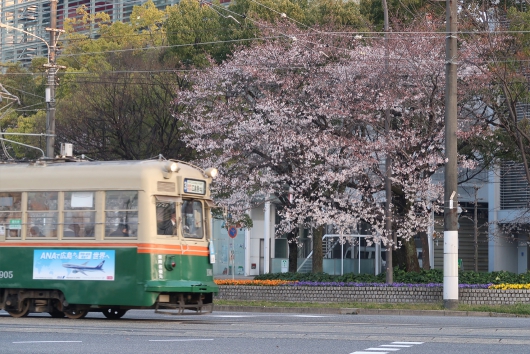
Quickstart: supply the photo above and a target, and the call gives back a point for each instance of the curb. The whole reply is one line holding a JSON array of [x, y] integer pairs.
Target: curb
[[360, 311], [263, 309]]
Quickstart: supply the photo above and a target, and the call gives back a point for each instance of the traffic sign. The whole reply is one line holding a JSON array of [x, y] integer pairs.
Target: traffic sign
[[232, 232]]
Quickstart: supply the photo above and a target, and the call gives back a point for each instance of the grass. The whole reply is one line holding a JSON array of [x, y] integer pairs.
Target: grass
[[518, 309]]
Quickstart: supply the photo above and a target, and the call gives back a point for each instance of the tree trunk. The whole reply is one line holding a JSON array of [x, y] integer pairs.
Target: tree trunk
[[425, 255], [399, 258], [406, 254], [293, 250], [411, 257], [317, 249]]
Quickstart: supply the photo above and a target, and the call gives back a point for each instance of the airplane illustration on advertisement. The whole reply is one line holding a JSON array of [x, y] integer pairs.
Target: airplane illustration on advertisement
[[82, 268]]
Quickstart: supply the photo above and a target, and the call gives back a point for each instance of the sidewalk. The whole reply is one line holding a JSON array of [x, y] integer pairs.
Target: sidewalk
[[359, 311]]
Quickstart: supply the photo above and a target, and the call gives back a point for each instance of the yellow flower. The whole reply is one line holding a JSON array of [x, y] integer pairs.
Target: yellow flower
[[510, 286]]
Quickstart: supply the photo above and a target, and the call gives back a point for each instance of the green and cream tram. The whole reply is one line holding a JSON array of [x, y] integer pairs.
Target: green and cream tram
[[80, 236]]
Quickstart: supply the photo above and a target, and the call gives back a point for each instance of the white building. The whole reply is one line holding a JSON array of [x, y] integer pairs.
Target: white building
[[502, 197]]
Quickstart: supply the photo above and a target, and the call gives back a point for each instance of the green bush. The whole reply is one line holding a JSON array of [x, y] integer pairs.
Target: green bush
[[402, 276]]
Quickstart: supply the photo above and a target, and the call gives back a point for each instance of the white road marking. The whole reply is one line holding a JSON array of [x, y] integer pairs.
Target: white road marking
[[381, 349], [49, 341], [387, 348], [310, 316], [177, 340]]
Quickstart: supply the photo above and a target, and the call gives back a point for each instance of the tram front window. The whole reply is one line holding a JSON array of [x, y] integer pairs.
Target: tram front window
[[174, 214], [192, 219], [165, 216]]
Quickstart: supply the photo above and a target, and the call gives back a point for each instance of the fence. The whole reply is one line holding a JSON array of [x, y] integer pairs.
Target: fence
[[370, 294]]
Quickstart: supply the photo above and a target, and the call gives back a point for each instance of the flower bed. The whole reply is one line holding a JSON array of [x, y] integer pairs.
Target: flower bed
[[356, 284], [510, 286], [251, 282], [275, 290]]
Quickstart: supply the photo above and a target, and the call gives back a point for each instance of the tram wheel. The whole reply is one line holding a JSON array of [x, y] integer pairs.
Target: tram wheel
[[114, 314], [56, 314], [22, 313], [75, 314]]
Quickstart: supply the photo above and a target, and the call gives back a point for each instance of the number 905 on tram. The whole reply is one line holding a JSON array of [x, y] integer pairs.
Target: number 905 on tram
[[84, 236]]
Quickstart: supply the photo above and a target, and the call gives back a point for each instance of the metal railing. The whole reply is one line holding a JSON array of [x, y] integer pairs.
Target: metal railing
[[377, 252]]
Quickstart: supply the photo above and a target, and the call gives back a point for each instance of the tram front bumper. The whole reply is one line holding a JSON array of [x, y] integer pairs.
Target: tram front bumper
[[181, 286]]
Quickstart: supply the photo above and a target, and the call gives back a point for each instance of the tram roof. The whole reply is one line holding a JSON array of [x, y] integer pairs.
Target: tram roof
[[90, 175]]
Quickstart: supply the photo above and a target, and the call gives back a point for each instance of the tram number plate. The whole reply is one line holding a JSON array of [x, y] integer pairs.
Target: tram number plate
[[7, 274], [193, 186]]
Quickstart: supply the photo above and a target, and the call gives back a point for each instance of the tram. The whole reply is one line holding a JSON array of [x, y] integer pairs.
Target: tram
[[81, 236]]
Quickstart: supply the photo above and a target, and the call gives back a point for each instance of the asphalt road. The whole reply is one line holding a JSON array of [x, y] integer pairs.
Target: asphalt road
[[245, 332]]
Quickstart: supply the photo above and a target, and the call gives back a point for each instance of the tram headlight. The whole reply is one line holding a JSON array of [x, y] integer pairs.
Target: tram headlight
[[211, 172], [169, 168], [172, 166]]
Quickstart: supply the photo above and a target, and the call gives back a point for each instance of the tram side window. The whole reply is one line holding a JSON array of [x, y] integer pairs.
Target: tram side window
[[79, 214], [121, 213], [165, 216], [42, 214], [192, 219], [10, 215]]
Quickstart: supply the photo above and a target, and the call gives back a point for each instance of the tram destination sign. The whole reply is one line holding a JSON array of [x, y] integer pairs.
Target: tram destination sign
[[193, 186]]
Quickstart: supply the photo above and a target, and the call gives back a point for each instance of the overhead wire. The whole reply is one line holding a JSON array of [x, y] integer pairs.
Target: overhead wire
[[25, 92], [364, 33], [102, 77], [441, 35], [369, 62], [168, 46], [132, 3], [432, 35]]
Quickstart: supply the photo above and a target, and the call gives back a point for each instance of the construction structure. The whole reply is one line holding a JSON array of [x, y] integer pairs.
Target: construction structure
[[31, 17]]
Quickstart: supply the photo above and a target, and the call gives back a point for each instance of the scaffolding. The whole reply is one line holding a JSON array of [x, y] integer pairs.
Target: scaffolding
[[33, 16]]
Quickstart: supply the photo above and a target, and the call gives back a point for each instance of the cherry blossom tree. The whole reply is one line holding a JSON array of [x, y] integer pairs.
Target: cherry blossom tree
[[503, 31], [301, 120]]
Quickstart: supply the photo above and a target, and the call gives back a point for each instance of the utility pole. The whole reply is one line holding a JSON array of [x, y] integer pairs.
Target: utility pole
[[475, 229], [50, 85], [52, 69], [450, 283], [388, 167]]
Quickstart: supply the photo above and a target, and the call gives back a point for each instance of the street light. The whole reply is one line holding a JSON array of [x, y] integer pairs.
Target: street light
[[3, 25], [51, 70]]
